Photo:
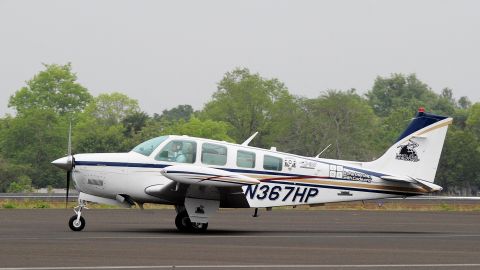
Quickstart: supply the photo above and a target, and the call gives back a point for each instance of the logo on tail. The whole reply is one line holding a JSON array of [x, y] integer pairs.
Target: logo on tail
[[407, 152]]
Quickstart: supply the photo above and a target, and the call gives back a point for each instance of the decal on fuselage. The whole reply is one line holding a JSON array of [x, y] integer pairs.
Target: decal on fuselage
[[281, 192], [290, 163], [95, 182], [307, 164], [336, 171], [344, 193], [356, 176], [407, 152]]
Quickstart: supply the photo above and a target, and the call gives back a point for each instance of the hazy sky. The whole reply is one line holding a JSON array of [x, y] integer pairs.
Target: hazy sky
[[165, 53]]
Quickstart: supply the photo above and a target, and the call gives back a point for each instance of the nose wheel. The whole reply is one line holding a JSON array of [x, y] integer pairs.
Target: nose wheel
[[77, 222]]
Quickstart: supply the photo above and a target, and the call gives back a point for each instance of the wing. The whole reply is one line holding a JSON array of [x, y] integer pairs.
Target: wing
[[205, 176], [202, 182]]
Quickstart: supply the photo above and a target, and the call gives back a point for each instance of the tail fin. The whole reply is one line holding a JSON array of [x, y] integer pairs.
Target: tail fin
[[417, 151]]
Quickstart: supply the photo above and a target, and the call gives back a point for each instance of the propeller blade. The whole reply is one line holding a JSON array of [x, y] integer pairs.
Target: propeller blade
[[72, 163], [68, 187], [70, 139]]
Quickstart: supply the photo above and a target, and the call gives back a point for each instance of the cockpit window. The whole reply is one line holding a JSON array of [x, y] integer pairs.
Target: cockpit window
[[146, 148], [178, 151]]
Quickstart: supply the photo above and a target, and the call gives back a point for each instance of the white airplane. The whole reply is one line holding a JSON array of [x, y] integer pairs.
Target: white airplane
[[198, 176]]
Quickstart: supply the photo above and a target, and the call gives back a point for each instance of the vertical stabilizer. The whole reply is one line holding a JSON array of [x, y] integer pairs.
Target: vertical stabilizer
[[417, 151]]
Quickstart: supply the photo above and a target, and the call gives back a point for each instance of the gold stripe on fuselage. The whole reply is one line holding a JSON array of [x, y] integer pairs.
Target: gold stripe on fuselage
[[337, 183]]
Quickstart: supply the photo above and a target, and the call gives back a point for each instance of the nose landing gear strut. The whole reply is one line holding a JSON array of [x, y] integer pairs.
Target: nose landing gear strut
[[77, 222]]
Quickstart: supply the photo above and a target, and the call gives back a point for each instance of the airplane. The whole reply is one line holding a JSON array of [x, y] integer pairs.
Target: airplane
[[198, 176]]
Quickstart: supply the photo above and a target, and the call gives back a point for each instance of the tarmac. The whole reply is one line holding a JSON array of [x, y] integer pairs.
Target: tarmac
[[278, 239]]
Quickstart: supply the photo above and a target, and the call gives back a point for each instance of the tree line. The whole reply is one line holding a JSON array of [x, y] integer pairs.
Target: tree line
[[358, 127]]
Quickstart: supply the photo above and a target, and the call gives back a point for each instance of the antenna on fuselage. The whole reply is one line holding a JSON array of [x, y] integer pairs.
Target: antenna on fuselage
[[323, 150], [247, 141]]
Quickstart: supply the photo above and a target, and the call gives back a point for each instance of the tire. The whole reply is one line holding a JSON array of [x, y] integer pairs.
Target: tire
[[73, 224], [183, 223]]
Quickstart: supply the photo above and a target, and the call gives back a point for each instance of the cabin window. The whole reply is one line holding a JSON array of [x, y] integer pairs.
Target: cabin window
[[245, 159], [272, 163], [178, 151], [146, 148], [214, 154]]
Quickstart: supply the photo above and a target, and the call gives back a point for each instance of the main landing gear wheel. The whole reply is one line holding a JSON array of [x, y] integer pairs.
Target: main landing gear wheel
[[183, 223], [76, 224]]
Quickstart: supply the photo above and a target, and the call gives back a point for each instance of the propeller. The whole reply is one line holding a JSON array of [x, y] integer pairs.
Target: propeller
[[67, 163], [70, 163]]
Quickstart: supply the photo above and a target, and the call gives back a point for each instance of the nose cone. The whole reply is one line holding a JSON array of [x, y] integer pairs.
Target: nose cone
[[64, 163]]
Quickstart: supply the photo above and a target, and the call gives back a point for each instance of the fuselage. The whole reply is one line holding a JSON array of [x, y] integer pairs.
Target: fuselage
[[285, 179]]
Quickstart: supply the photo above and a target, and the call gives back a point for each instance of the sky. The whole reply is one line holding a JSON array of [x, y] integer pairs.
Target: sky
[[166, 53]]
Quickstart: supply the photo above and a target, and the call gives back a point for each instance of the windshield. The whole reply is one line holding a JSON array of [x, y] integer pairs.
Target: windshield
[[146, 148]]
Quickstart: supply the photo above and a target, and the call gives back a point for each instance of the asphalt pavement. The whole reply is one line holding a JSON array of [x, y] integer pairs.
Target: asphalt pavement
[[278, 239]]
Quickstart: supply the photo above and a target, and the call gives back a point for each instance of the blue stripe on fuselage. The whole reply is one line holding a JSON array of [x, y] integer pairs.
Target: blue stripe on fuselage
[[150, 165], [120, 164]]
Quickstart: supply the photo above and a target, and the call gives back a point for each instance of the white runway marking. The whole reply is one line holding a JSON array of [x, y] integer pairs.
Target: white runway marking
[[292, 266], [193, 237]]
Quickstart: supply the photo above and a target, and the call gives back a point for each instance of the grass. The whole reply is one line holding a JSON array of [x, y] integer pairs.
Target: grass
[[44, 204], [392, 205], [395, 205]]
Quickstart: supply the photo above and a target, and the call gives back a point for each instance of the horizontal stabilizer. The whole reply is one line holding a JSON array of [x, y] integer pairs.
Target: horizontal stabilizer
[[431, 187], [398, 178], [198, 175]]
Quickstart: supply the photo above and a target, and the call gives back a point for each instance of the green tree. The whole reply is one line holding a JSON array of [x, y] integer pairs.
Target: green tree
[[195, 127], [10, 173], [181, 112], [36, 137], [457, 170], [112, 109], [464, 102], [392, 125], [445, 103], [54, 88], [340, 118], [249, 103], [23, 184], [100, 127], [400, 91], [473, 119], [134, 123], [90, 137]]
